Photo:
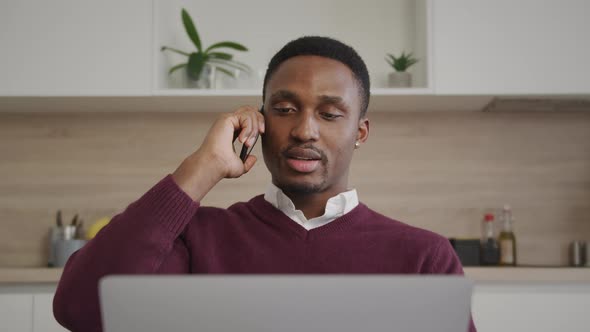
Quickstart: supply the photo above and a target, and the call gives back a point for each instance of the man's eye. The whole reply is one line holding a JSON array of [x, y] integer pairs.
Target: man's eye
[[330, 116], [283, 110]]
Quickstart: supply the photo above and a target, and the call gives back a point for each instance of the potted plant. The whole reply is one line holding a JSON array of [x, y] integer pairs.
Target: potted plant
[[202, 64], [400, 78]]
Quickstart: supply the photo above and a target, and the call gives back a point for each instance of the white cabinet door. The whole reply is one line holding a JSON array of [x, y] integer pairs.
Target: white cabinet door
[[77, 48], [511, 47], [43, 320], [539, 308], [16, 312]]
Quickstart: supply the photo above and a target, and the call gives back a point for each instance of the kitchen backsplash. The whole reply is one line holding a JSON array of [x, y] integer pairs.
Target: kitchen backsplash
[[439, 171]]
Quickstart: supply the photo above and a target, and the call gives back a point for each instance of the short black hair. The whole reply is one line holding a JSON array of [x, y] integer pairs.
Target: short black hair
[[328, 48]]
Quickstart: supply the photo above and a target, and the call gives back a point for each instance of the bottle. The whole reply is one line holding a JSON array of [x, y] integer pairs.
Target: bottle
[[507, 240], [490, 252]]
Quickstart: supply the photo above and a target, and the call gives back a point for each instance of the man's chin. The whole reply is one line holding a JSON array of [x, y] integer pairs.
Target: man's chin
[[301, 187]]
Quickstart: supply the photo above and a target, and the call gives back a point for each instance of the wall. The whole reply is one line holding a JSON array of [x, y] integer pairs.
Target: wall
[[440, 171]]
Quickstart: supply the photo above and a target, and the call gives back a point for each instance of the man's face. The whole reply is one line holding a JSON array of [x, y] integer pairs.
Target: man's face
[[311, 111]]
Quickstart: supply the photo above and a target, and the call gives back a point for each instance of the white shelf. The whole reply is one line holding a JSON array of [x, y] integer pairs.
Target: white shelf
[[394, 26], [384, 26], [384, 100]]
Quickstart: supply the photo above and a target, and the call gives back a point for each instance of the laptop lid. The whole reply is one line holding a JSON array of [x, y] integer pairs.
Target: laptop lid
[[285, 303]]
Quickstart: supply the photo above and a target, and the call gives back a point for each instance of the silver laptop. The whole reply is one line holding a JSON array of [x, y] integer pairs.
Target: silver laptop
[[285, 303]]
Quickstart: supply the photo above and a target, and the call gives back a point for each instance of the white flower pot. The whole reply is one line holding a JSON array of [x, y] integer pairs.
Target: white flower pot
[[400, 79]]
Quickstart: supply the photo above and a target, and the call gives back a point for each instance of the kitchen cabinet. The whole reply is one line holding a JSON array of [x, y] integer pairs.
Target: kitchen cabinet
[[505, 47], [75, 48], [16, 311], [27, 308], [469, 50], [541, 307], [510, 303], [43, 320]]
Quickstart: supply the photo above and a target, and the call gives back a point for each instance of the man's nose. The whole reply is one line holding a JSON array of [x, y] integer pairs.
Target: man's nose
[[306, 127]]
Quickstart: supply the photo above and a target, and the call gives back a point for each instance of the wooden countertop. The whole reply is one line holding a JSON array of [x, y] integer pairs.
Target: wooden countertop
[[28, 275], [478, 274], [528, 274]]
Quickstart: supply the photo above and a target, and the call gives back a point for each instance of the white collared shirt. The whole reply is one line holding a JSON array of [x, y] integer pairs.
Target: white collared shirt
[[336, 207]]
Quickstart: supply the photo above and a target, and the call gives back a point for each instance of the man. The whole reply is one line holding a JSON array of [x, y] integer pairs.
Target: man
[[316, 94]]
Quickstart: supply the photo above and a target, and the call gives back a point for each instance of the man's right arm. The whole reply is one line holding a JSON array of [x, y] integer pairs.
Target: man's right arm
[[146, 237]]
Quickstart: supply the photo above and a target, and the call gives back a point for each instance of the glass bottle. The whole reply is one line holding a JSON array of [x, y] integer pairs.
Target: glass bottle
[[507, 240], [490, 252]]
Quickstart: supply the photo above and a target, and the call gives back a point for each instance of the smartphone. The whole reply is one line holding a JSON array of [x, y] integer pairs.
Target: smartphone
[[245, 152]]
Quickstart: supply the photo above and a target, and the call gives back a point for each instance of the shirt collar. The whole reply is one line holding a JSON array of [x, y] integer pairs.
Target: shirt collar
[[336, 206]]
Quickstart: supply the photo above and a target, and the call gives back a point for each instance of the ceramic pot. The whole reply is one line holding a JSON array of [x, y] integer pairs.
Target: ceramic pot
[[399, 79]]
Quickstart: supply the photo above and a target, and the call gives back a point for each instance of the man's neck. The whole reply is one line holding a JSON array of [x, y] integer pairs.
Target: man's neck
[[312, 205]]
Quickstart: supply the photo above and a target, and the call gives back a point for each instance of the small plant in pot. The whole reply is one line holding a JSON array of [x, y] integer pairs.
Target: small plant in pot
[[202, 65], [400, 78]]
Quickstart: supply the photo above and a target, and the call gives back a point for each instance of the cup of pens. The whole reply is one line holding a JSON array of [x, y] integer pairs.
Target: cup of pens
[[64, 240]]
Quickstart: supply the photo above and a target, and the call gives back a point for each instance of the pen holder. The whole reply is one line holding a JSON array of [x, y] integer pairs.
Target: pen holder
[[63, 249], [55, 233], [58, 233]]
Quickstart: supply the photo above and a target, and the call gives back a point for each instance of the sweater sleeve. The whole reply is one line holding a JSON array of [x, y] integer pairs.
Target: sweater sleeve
[[144, 239], [445, 261]]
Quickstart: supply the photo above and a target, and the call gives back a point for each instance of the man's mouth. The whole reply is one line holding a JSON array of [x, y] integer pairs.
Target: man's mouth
[[303, 160], [303, 165]]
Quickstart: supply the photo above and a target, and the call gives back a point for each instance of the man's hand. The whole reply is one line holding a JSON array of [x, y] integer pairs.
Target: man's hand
[[215, 159]]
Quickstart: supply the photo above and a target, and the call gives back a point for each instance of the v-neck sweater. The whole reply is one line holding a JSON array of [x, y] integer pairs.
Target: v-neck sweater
[[166, 232]]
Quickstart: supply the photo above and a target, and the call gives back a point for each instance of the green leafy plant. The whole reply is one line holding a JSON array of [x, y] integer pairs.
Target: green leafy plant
[[211, 55], [401, 63]]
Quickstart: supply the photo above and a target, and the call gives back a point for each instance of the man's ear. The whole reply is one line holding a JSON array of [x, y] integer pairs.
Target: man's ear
[[363, 133]]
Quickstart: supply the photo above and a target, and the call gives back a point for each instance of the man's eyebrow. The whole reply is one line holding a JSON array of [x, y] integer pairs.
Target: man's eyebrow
[[284, 95], [334, 100]]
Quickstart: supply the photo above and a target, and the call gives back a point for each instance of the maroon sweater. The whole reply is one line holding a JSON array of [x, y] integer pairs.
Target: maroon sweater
[[165, 231]]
